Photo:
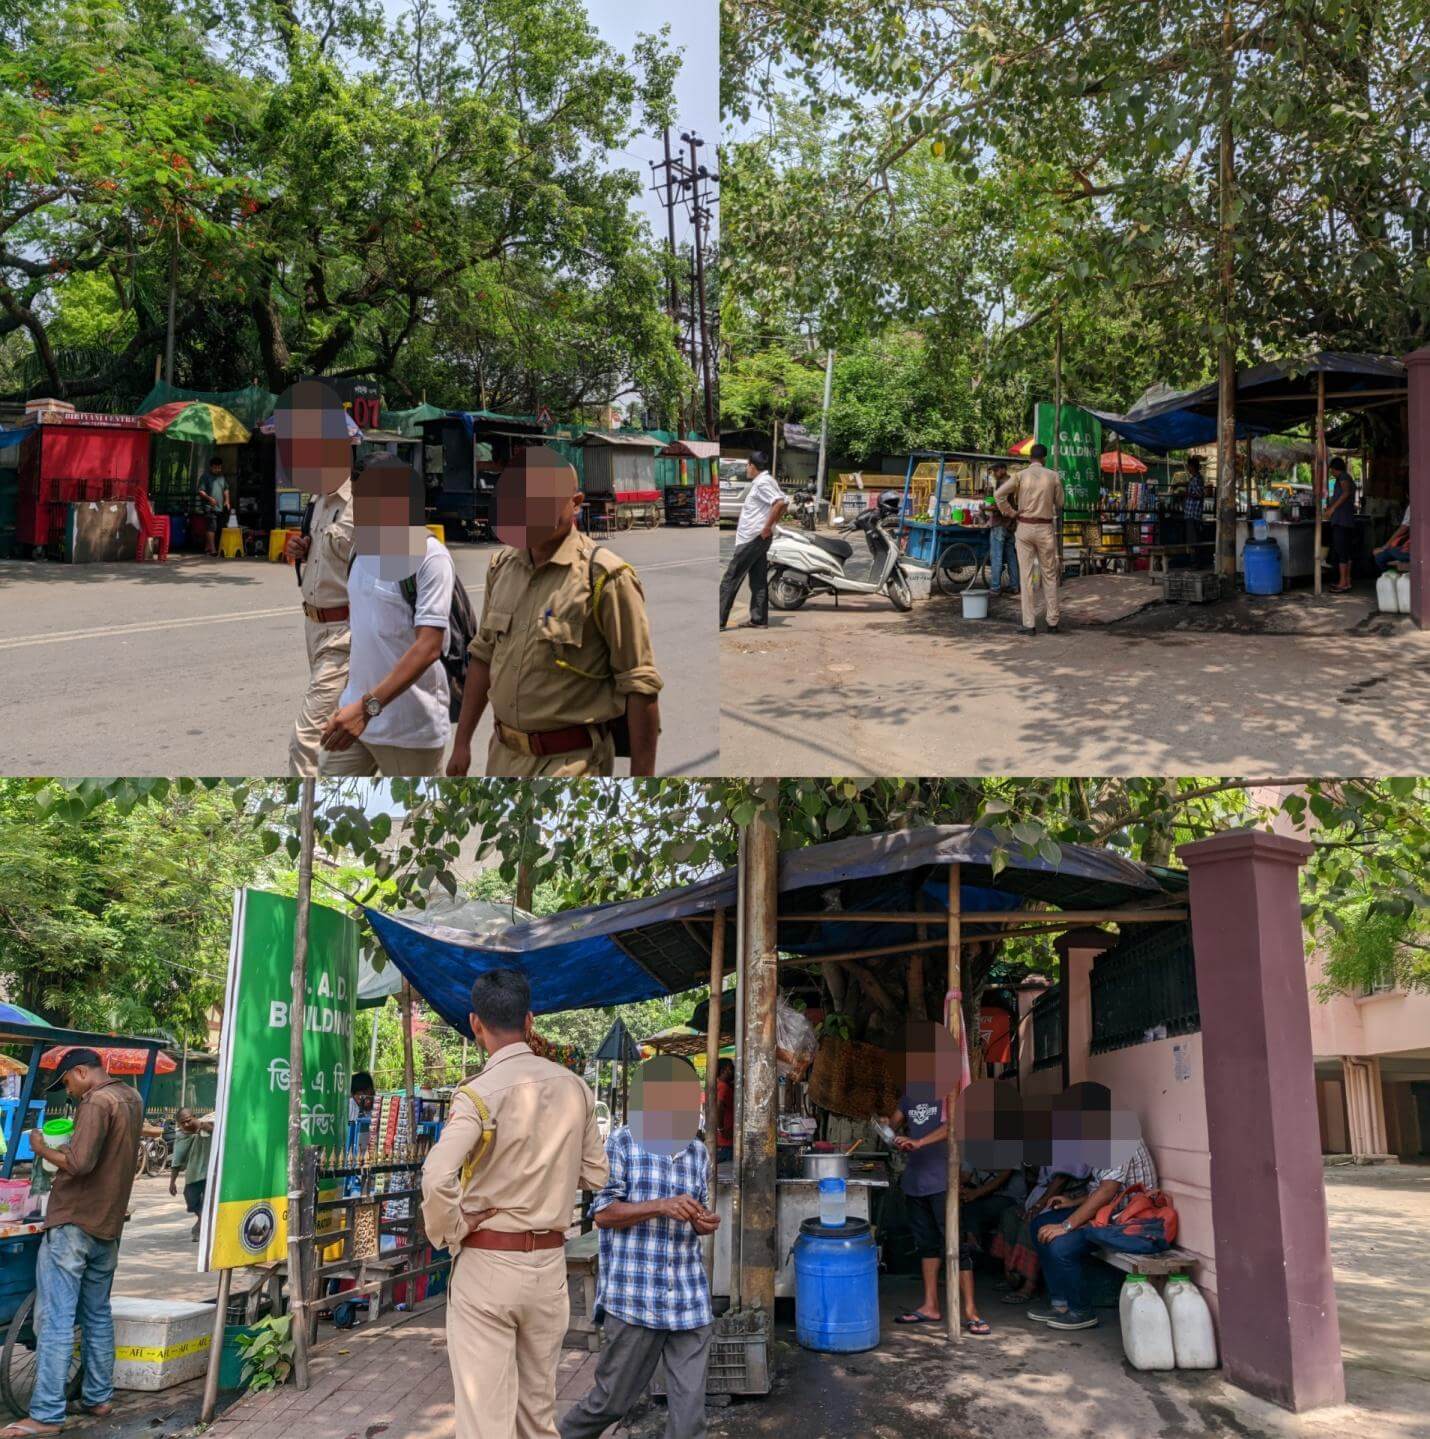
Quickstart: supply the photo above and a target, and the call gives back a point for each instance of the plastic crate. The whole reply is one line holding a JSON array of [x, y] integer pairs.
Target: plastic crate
[[1191, 587], [738, 1365]]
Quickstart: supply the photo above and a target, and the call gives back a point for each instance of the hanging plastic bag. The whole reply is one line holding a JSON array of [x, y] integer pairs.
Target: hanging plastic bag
[[794, 1040]]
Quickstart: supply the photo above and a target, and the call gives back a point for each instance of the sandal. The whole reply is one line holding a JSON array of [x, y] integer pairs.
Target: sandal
[[912, 1317], [977, 1327], [27, 1428]]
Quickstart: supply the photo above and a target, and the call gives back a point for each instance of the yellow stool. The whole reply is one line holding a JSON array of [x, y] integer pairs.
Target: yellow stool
[[230, 542], [277, 539], [440, 531]]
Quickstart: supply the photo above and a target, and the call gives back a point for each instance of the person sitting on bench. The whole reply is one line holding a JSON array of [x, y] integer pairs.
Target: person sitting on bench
[[1396, 550], [1065, 1232]]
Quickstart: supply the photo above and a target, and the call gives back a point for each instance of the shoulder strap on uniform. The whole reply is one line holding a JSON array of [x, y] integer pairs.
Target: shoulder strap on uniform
[[599, 578], [484, 1141]]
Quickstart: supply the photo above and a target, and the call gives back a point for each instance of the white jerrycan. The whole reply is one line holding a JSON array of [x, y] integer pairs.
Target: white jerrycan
[[1193, 1336], [1146, 1325], [1386, 600], [1402, 593]]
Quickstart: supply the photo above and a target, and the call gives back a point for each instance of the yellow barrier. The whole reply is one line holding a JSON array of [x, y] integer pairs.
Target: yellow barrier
[[276, 540]]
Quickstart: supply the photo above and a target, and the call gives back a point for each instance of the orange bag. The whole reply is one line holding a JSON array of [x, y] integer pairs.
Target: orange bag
[[1147, 1213]]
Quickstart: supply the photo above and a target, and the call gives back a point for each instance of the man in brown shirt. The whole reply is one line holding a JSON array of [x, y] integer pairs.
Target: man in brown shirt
[[1039, 495], [94, 1174]]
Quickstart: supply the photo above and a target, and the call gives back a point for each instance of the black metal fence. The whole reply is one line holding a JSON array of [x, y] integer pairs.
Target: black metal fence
[[1048, 1029], [1145, 989]]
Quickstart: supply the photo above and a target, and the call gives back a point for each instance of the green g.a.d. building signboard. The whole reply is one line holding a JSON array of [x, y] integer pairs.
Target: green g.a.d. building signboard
[[1075, 451]]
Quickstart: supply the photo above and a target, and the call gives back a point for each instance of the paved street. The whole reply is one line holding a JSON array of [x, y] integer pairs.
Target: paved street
[[197, 666], [866, 690]]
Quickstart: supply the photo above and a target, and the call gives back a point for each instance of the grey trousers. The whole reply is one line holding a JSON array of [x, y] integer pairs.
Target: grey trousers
[[629, 1354]]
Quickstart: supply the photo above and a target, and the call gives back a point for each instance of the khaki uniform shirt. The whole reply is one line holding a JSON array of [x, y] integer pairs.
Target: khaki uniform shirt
[[545, 1147], [94, 1192], [1039, 491], [553, 661], [325, 571]]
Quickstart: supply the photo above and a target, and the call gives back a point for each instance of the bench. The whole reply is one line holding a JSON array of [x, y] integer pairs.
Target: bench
[[581, 1263], [1165, 1261], [1157, 555]]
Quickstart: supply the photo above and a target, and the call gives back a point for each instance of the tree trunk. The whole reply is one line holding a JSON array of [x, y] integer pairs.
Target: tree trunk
[[1226, 342]]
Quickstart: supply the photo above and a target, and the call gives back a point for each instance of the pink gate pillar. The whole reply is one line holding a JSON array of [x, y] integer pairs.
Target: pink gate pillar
[[1279, 1334], [1417, 369]]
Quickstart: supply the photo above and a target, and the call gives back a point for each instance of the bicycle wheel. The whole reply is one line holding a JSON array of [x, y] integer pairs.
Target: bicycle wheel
[[958, 566], [17, 1362]]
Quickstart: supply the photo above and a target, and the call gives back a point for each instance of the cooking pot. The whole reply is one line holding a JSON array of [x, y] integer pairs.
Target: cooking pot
[[824, 1166]]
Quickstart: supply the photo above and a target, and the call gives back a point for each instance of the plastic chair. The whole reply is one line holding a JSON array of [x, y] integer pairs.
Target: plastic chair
[[230, 542], [151, 527]]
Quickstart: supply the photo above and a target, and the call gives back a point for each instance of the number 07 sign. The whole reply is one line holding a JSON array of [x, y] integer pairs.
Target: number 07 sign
[[246, 1201]]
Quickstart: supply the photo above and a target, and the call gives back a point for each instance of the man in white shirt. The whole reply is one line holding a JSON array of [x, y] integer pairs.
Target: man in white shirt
[[765, 504], [394, 717]]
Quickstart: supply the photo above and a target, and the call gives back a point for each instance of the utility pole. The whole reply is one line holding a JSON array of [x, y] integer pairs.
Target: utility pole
[[823, 433], [1226, 342], [173, 291], [699, 174], [297, 1280]]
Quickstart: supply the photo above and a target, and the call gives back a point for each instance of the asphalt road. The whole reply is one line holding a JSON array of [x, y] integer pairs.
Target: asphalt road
[[197, 666]]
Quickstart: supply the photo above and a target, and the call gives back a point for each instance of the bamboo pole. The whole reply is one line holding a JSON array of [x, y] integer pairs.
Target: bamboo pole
[[1319, 492], [736, 1207], [1011, 917], [225, 1283], [920, 946], [953, 1004], [297, 1293], [408, 1075], [712, 1065]]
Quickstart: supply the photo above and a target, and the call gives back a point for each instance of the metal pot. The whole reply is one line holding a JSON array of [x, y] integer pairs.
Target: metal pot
[[824, 1166]]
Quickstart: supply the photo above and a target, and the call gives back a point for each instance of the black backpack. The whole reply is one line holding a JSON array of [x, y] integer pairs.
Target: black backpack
[[461, 631]]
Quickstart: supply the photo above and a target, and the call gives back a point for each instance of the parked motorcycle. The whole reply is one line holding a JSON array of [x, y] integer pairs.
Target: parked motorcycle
[[804, 510], [802, 565]]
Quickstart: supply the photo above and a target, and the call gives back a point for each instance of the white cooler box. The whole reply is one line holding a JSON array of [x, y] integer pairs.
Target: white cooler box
[[160, 1342]]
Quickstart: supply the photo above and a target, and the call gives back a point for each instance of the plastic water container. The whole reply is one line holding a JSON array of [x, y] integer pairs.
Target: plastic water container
[[57, 1133], [975, 604], [1261, 562], [1193, 1334], [1402, 593], [1387, 601], [836, 1287], [832, 1197], [1260, 530], [1146, 1325]]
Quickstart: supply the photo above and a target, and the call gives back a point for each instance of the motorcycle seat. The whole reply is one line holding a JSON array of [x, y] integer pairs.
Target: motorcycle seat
[[840, 549]]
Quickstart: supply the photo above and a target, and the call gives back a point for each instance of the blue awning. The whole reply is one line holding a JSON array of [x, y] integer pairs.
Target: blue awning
[[647, 948]]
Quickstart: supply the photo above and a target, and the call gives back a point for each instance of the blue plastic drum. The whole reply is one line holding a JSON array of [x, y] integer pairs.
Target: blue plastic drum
[[1261, 561], [836, 1287]]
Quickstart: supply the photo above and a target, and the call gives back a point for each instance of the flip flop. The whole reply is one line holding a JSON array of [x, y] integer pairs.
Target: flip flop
[[912, 1317], [27, 1428], [978, 1328]]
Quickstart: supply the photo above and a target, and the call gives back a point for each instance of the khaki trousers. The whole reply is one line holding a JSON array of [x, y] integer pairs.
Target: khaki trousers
[[361, 758], [599, 760], [1038, 543], [507, 1314], [328, 650]]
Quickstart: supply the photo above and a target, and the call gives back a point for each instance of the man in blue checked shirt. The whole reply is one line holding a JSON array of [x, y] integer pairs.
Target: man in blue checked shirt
[[651, 1295]]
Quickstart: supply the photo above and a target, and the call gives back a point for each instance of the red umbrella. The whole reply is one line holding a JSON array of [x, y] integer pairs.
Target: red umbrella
[[1023, 447], [116, 1061], [1129, 464]]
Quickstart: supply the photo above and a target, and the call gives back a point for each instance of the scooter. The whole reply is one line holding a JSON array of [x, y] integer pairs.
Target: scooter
[[802, 565]]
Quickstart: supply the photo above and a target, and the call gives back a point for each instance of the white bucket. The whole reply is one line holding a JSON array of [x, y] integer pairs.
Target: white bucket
[[975, 604]]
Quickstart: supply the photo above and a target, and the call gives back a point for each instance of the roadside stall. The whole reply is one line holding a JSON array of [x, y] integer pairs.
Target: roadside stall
[[943, 515], [463, 455], [696, 499], [619, 480]]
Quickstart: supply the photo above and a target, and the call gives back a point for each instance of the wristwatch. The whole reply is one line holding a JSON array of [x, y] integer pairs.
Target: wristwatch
[[371, 706]]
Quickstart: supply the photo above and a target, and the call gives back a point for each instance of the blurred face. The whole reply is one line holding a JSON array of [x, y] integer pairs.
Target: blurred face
[[536, 499], [382, 519], [930, 1060], [363, 1098], [664, 1105], [315, 454]]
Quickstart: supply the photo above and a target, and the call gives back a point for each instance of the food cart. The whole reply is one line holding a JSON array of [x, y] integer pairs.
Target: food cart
[[696, 501], [20, 1237], [942, 516], [619, 480], [463, 454], [73, 457]]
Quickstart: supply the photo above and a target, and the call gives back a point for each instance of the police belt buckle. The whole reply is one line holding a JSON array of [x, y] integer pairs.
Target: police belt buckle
[[515, 739]]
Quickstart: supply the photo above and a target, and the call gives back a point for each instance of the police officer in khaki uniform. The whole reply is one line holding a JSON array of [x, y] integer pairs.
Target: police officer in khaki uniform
[[315, 455], [498, 1190], [1039, 494], [563, 650]]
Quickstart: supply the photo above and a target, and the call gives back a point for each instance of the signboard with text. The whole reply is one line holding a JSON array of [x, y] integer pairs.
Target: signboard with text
[[1075, 451], [245, 1204]]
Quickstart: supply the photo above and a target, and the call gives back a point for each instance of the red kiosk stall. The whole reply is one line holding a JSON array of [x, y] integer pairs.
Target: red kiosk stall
[[74, 459]]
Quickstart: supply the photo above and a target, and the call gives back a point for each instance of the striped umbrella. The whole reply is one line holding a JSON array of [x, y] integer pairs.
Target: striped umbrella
[[197, 422], [1023, 447], [13, 1014]]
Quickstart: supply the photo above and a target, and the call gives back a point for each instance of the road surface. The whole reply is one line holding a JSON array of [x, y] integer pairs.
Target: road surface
[[197, 666]]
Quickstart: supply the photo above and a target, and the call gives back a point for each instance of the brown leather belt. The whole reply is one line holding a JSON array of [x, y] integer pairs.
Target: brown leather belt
[[326, 617], [1033, 520], [523, 1242], [547, 742]]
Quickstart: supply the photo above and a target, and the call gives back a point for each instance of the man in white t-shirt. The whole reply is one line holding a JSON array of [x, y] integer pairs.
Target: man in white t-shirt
[[394, 717], [764, 505]]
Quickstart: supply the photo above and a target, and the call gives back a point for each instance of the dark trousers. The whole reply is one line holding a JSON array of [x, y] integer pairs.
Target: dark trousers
[[1064, 1260], [748, 559], [629, 1354]]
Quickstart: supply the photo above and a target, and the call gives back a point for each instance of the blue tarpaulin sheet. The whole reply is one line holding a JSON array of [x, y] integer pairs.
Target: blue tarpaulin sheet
[[587, 958]]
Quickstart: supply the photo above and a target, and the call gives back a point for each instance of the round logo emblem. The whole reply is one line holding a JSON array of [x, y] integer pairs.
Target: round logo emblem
[[256, 1231]]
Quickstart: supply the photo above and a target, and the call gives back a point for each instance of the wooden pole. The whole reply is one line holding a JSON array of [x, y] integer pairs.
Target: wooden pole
[[741, 940], [1319, 491], [712, 1065], [408, 1073], [225, 1283], [1057, 437], [296, 1014], [1007, 917], [1225, 495], [759, 1257], [953, 1003]]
